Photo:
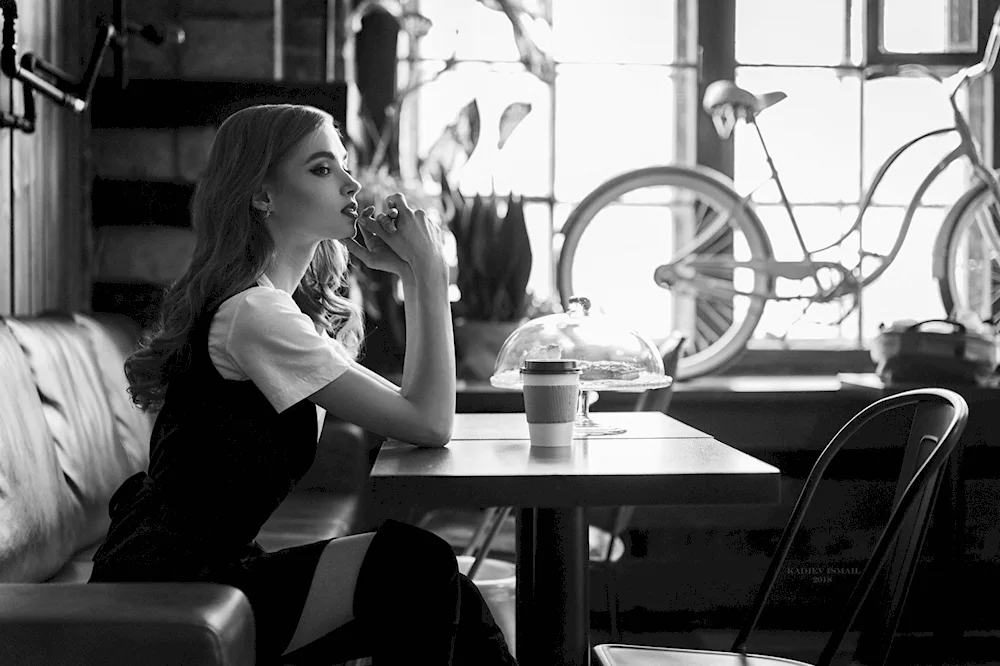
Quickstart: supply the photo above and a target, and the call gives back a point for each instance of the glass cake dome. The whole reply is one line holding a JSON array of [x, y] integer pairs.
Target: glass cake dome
[[612, 357]]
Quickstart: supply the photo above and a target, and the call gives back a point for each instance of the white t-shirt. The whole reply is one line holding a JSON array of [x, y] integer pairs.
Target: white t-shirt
[[261, 335]]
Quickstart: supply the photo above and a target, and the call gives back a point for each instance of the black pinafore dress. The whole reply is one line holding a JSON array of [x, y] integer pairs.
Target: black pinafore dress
[[221, 460]]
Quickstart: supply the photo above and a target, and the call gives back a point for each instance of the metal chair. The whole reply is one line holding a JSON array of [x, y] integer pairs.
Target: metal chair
[[938, 422]]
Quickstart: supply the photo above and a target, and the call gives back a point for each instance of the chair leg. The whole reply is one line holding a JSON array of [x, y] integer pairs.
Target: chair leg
[[484, 523], [611, 591]]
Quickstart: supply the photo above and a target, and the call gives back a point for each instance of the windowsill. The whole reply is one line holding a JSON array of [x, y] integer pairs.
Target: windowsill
[[764, 358]]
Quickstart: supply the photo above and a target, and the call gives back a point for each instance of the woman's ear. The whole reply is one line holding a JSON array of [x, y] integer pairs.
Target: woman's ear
[[261, 200]]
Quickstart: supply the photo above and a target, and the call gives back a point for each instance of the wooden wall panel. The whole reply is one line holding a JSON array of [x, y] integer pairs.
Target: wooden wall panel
[[6, 226], [44, 234]]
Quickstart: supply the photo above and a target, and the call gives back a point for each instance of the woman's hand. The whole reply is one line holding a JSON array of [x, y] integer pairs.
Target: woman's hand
[[412, 236], [374, 252]]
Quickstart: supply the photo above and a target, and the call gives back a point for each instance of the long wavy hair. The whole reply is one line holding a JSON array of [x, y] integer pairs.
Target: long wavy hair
[[233, 248]]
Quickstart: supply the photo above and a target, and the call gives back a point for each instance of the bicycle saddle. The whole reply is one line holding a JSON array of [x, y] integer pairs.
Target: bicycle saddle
[[727, 103]]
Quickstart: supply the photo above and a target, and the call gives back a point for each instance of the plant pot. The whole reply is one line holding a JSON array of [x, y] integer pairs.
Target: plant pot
[[477, 344]]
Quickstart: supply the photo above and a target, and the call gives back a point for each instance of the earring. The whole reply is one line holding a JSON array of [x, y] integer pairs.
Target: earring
[[267, 210]]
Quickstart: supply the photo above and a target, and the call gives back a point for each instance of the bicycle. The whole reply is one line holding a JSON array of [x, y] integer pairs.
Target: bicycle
[[724, 271]]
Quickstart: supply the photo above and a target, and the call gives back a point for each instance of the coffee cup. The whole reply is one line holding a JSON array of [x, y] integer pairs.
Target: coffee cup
[[551, 390]]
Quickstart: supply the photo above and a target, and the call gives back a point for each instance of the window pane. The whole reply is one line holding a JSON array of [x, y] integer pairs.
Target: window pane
[[616, 273], [929, 26], [538, 219], [627, 31], [523, 166], [907, 290], [467, 29], [790, 32], [812, 135], [897, 110], [612, 118]]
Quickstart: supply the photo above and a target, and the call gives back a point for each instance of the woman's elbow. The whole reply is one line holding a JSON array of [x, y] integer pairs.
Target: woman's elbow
[[434, 435]]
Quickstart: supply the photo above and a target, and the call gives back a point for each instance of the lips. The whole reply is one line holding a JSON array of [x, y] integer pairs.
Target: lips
[[351, 209]]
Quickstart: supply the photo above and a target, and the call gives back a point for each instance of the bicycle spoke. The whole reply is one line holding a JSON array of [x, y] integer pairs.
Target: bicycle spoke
[[704, 336], [972, 277], [721, 323]]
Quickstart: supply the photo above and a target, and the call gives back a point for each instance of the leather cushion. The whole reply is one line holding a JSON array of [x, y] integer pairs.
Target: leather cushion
[[36, 525], [79, 567], [79, 418], [113, 338], [306, 517]]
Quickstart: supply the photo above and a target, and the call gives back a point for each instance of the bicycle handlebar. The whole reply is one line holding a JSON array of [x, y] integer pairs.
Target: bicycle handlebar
[[992, 45]]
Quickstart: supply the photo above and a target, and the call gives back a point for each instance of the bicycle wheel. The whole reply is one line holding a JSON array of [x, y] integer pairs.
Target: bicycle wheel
[[968, 268], [635, 222]]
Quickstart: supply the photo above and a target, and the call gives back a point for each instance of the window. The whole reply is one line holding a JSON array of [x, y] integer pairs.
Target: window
[[948, 32], [828, 139], [624, 86], [626, 95]]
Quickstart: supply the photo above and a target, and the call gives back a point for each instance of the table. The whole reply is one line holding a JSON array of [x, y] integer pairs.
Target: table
[[490, 462]]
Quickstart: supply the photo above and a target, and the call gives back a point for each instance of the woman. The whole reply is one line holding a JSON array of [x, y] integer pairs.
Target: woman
[[255, 347]]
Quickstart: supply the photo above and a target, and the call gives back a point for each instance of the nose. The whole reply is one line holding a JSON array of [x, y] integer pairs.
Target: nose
[[351, 187]]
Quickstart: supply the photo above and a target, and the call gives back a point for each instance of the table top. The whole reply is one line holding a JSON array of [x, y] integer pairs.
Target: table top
[[661, 469], [514, 426]]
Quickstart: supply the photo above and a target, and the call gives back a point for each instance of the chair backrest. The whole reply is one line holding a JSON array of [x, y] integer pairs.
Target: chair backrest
[[938, 422], [658, 400]]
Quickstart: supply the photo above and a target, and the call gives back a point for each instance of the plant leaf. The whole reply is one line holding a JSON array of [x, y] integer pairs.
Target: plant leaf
[[510, 119], [467, 129], [533, 8], [416, 25], [526, 19], [513, 238], [452, 208], [459, 139]]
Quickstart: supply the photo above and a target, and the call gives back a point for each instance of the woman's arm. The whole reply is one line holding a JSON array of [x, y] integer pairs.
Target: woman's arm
[[422, 411], [374, 375]]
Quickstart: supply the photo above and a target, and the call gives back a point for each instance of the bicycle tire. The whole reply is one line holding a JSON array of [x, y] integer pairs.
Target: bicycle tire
[[703, 181], [947, 258]]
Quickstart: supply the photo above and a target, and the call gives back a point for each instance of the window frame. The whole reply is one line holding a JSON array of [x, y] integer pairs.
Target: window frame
[[874, 55]]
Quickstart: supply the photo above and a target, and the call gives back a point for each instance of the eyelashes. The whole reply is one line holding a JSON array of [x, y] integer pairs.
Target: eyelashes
[[324, 170]]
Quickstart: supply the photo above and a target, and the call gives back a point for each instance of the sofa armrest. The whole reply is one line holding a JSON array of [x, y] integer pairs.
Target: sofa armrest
[[125, 623]]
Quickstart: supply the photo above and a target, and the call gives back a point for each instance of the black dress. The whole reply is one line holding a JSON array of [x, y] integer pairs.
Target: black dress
[[221, 461]]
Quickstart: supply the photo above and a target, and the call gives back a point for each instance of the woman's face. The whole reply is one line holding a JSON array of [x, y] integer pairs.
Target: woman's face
[[314, 194]]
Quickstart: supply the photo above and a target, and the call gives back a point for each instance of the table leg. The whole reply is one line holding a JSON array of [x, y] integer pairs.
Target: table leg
[[561, 621], [524, 593]]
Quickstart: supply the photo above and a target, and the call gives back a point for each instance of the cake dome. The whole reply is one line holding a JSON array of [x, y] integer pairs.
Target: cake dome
[[612, 356]]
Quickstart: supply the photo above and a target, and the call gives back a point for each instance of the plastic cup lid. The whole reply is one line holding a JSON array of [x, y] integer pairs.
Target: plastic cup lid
[[550, 366]]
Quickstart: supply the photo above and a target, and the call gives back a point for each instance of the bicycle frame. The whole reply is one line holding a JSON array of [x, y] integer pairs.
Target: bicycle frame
[[684, 267]]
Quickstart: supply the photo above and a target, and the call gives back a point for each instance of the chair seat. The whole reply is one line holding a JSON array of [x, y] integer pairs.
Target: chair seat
[[635, 655]]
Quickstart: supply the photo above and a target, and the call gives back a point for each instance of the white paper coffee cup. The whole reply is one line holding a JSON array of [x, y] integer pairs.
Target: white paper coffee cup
[[551, 390]]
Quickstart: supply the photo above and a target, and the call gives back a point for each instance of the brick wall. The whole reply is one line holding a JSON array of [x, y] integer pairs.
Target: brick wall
[[225, 39], [142, 165]]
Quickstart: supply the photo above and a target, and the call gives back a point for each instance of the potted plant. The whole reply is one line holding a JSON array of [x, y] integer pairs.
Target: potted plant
[[493, 252], [494, 263]]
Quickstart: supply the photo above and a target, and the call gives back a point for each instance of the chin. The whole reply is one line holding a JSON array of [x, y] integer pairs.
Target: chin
[[342, 234]]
